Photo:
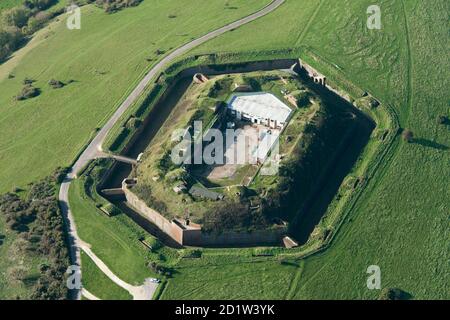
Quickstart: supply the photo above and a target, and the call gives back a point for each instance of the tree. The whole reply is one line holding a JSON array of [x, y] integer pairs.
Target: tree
[[10, 39], [16, 17], [302, 98], [407, 135]]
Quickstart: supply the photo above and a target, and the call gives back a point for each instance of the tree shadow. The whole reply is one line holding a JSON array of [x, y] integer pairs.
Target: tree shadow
[[430, 144]]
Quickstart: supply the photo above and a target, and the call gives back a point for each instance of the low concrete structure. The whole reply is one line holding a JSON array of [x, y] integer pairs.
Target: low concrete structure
[[200, 78], [242, 88], [289, 242]]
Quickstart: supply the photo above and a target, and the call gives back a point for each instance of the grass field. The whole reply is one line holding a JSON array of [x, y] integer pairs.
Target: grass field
[[114, 240], [231, 277], [105, 59], [6, 4], [97, 283], [401, 221]]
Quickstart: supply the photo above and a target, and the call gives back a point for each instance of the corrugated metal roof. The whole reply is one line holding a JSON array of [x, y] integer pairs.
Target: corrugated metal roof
[[260, 105]]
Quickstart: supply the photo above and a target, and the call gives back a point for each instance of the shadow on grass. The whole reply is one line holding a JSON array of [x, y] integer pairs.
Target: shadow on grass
[[430, 144], [341, 163]]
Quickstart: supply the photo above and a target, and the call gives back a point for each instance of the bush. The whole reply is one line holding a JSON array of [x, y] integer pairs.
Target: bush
[[38, 4], [133, 123], [20, 21], [55, 84], [59, 174], [39, 220], [16, 17], [10, 40], [178, 174], [28, 91], [153, 243], [408, 135], [229, 215], [302, 98], [36, 22], [111, 6], [442, 120], [191, 253], [394, 294]]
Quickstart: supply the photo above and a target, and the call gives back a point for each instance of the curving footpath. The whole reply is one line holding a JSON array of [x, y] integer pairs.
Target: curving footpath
[[94, 149]]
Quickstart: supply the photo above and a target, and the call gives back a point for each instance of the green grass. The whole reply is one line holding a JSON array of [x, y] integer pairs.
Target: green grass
[[6, 4], [230, 277], [97, 283], [115, 240], [106, 58]]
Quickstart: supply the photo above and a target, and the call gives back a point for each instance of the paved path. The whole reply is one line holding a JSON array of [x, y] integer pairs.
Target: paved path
[[88, 295], [94, 149]]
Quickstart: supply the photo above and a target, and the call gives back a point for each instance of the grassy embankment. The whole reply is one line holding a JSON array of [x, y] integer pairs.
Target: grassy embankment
[[97, 283]]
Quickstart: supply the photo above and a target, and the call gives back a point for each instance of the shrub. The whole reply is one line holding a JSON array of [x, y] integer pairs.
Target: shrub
[[178, 174], [442, 120], [59, 174], [302, 98], [394, 294], [133, 123], [38, 4], [228, 215], [408, 135], [16, 17], [28, 91], [10, 40], [111, 6], [39, 220], [191, 253], [55, 84], [28, 81], [37, 21], [153, 243]]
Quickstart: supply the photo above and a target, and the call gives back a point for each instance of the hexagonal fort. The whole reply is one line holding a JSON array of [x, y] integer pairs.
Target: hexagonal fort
[[241, 156]]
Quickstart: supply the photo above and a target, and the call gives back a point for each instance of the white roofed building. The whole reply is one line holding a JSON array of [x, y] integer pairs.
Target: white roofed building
[[260, 108]]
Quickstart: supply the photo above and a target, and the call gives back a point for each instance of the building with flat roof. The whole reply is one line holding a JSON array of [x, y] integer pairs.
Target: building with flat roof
[[260, 108]]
